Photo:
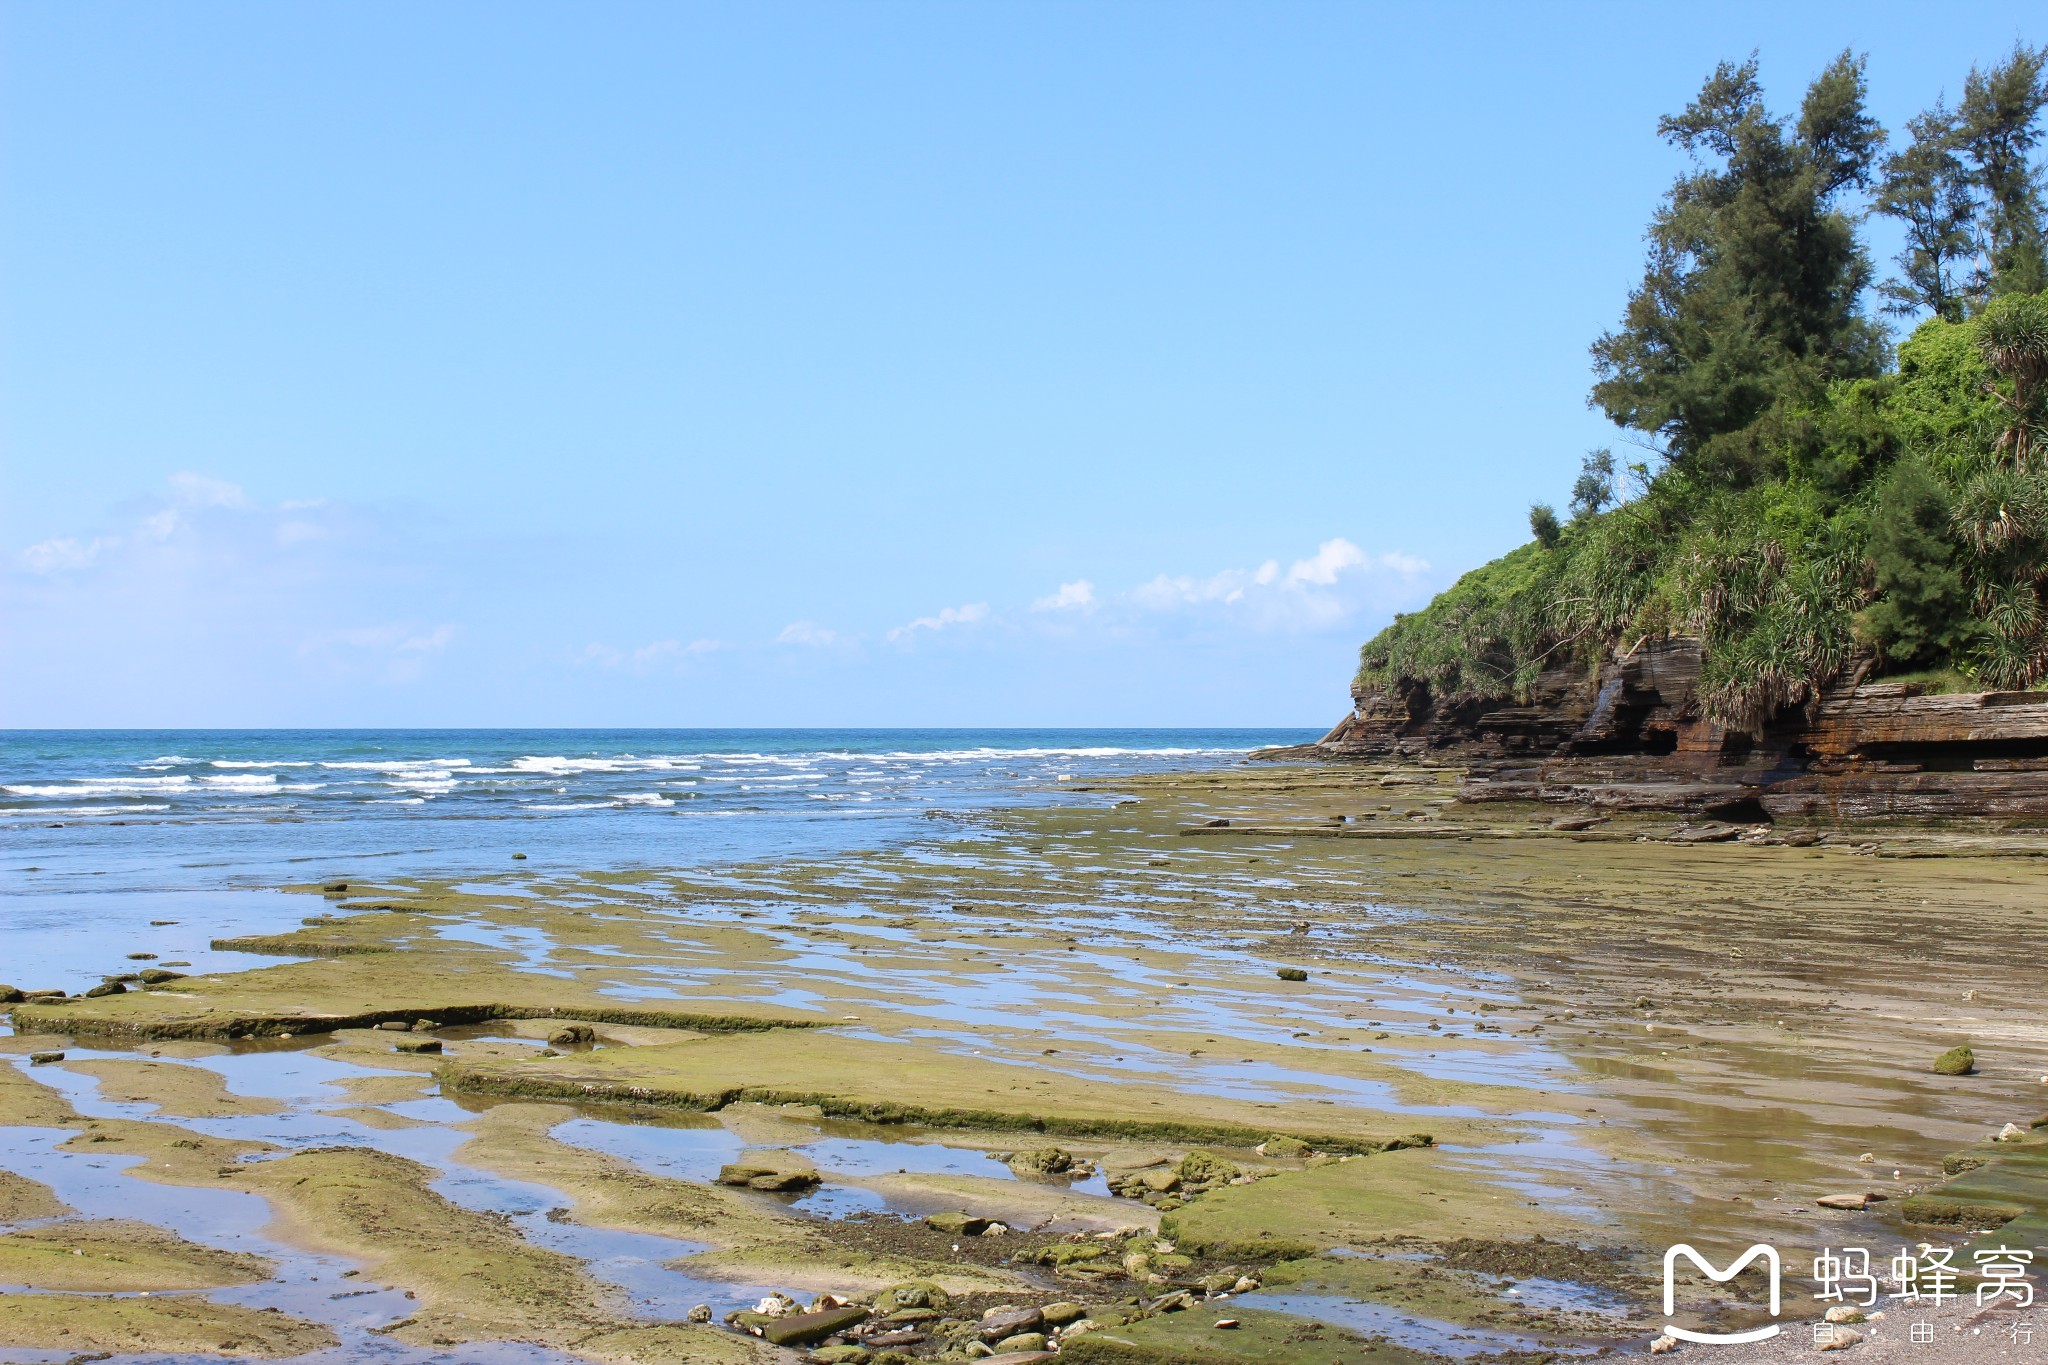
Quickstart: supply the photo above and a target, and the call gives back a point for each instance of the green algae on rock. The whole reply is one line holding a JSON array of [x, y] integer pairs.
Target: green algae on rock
[[1957, 1061]]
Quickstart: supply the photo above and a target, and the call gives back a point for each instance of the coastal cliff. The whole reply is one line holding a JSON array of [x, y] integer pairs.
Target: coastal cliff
[[1633, 734]]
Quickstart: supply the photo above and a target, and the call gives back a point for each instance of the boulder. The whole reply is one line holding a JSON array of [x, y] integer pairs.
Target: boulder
[[1844, 1312], [1043, 1161], [417, 1045], [1283, 1147], [395, 1026], [1843, 1201], [1206, 1169], [766, 1178], [11, 995], [1840, 1339], [701, 1313], [957, 1224], [1957, 1061], [106, 988], [1291, 974], [572, 1035], [156, 976], [1060, 1314], [1023, 1341], [44, 1058]]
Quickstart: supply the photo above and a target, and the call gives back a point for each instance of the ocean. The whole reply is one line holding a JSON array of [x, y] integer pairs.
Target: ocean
[[195, 809]]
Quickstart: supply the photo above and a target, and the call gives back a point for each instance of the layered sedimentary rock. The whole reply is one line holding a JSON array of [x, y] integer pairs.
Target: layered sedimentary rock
[[1632, 734]]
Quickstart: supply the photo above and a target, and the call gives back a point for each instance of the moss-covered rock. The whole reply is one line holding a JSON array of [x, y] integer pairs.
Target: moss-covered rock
[[1957, 1061]]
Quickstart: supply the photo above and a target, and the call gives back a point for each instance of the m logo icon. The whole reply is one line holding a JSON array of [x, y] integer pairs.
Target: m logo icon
[[1770, 1256]]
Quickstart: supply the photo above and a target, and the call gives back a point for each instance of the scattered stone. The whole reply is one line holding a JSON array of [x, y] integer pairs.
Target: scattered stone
[[572, 1035], [1226, 1324], [1663, 1346], [1957, 1061], [156, 976], [334, 888], [1060, 1314], [518, 857], [9, 995], [991, 1357], [1712, 832], [417, 1045], [106, 988], [1841, 1339], [142, 957], [1573, 823], [160, 923], [1856, 1202], [1023, 1341], [2012, 1132], [1292, 974], [1844, 1312], [701, 1313], [905, 1337], [957, 1224], [44, 1058], [1215, 824], [395, 1026], [848, 1354], [425, 1025], [1867, 1158]]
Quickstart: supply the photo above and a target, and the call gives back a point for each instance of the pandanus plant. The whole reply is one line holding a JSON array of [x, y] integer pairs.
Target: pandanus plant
[[2013, 337]]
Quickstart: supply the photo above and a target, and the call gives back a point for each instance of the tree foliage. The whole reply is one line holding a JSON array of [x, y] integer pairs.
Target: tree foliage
[[1752, 290], [1819, 500]]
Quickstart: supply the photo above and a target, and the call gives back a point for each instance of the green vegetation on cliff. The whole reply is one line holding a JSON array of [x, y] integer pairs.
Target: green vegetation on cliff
[[1817, 498]]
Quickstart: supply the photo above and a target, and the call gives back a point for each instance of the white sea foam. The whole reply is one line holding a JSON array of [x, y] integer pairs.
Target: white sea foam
[[122, 786], [44, 812]]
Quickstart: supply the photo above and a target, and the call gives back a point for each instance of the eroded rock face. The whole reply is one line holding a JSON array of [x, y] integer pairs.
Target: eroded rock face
[[1632, 735]]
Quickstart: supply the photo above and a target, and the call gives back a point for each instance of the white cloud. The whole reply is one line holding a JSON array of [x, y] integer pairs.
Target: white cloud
[[1322, 591], [1331, 558], [198, 490], [647, 656], [806, 633], [948, 616], [65, 553], [1078, 595]]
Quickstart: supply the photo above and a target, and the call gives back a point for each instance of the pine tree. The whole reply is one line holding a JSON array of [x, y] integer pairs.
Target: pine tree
[[1751, 293]]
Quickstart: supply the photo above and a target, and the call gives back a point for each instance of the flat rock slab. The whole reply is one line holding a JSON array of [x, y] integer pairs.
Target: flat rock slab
[[801, 1329]]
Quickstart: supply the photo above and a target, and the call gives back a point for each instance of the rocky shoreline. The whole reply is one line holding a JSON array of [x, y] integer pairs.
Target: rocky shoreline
[[1632, 735]]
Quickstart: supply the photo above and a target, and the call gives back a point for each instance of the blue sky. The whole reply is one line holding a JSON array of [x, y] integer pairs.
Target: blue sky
[[811, 364]]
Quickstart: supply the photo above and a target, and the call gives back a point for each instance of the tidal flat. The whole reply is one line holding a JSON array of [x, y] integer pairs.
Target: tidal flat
[[1040, 1064]]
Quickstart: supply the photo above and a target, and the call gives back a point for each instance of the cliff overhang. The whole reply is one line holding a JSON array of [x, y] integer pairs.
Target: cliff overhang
[[1632, 734]]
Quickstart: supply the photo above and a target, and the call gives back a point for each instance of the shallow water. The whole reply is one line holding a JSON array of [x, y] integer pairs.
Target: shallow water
[[1409, 1329]]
